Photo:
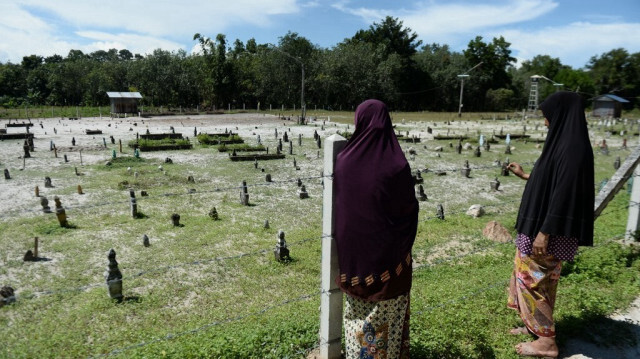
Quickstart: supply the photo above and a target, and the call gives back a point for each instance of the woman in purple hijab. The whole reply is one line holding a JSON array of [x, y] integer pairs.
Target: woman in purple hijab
[[376, 224]]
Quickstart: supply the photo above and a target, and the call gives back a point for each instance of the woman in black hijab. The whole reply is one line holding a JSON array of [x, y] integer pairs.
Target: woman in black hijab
[[555, 217]]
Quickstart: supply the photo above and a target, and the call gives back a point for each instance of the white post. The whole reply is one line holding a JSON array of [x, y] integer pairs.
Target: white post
[[633, 222], [331, 297]]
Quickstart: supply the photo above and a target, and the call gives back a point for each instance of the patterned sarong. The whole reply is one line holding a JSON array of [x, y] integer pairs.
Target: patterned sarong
[[377, 330], [532, 291]]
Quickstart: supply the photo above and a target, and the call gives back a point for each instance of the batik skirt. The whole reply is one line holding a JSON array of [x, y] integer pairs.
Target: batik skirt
[[377, 330], [532, 291]]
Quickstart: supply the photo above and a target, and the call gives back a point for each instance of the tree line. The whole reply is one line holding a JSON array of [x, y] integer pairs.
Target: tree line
[[385, 61]]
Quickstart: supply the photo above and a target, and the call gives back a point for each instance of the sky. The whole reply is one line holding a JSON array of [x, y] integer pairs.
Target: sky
[[571, 30]]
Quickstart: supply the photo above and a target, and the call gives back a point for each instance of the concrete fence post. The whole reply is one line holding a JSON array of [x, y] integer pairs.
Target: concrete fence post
[[331, 297], [633, 221]]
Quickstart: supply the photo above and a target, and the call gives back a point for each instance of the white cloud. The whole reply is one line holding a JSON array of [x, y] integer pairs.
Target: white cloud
[[46, 27], [443, 20], [431, 20], [134, 43], [166, 18], [574, 43]]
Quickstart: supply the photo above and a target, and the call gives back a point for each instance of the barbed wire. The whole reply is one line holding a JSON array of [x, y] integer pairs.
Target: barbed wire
[[38, 294], [144, 198], [171, 336]]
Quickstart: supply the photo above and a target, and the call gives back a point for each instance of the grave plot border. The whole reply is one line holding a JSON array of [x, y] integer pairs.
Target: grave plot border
[[259, 157]]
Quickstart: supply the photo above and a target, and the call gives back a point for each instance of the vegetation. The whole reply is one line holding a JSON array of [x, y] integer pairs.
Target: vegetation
[[213, 289], [207, 139], [384, 61]]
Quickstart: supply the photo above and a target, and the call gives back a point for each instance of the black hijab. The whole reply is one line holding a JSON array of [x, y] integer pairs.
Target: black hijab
[[376, 209], [559, 195]]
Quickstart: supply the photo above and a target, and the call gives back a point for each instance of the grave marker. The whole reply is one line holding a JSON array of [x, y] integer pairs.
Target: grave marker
[[60, 212], [133, 203], [113, 277], [420, 194], [303, 192], [244, 195], [281, 251]]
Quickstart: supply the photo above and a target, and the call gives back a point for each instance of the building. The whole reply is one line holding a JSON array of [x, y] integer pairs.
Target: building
[[608, 106], [124, 102]]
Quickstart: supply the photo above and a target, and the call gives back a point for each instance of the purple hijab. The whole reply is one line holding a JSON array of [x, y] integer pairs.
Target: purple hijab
[[376, 209]]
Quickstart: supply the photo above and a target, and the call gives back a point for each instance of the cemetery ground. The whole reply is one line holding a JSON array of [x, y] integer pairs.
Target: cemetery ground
[[212, 288]]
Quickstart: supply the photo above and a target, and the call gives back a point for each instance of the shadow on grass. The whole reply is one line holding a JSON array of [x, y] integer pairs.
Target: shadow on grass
[[452, 348], [598, 330]]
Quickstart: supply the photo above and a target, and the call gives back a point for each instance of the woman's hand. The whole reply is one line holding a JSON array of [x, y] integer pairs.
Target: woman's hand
[[540, 245], [517, 170]]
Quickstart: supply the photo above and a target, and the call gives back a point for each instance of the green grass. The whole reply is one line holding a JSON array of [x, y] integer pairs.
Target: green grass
[[192, 294]]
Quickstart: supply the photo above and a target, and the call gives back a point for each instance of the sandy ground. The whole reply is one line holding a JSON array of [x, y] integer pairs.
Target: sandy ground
[[17, 194]]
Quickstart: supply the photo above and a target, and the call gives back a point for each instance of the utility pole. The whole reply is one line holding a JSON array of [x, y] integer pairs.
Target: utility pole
[[462, 77]]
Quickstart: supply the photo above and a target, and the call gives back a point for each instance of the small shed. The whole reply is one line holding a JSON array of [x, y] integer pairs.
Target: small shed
[[608, 106], [124, 102]]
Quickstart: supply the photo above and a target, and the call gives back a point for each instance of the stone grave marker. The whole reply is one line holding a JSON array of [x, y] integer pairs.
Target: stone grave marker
[[175, 220], [302, 193], [113, 277], [47, 182], [420, 195], [44, 202], [281, 251], [60, 212]]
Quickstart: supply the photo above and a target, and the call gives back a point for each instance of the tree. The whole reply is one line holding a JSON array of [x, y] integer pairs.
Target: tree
[[616, 72], [492, 74], [390, 33]]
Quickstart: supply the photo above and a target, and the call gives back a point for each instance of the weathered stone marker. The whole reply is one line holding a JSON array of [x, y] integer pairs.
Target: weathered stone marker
[[47, 182], [44, 202], [80, 189], [616, 164], [113, 277], [66, 160], [268, 177], [281, 251], [25, 147], [60, 212], [440, 212], [175, 220], [495, 184], [6, 174], [7, 296], [133, 203], [244, 195], [420, 195], [266, 224], [145, 240], [213, 213], [466, 170], [37, 191], [302, 193]]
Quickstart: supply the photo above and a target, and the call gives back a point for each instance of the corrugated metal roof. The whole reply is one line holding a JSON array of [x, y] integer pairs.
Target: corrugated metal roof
[[611, 97], [124, 95]]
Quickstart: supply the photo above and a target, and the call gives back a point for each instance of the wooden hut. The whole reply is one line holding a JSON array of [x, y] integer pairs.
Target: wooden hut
[[608, 106], [124, 102]]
